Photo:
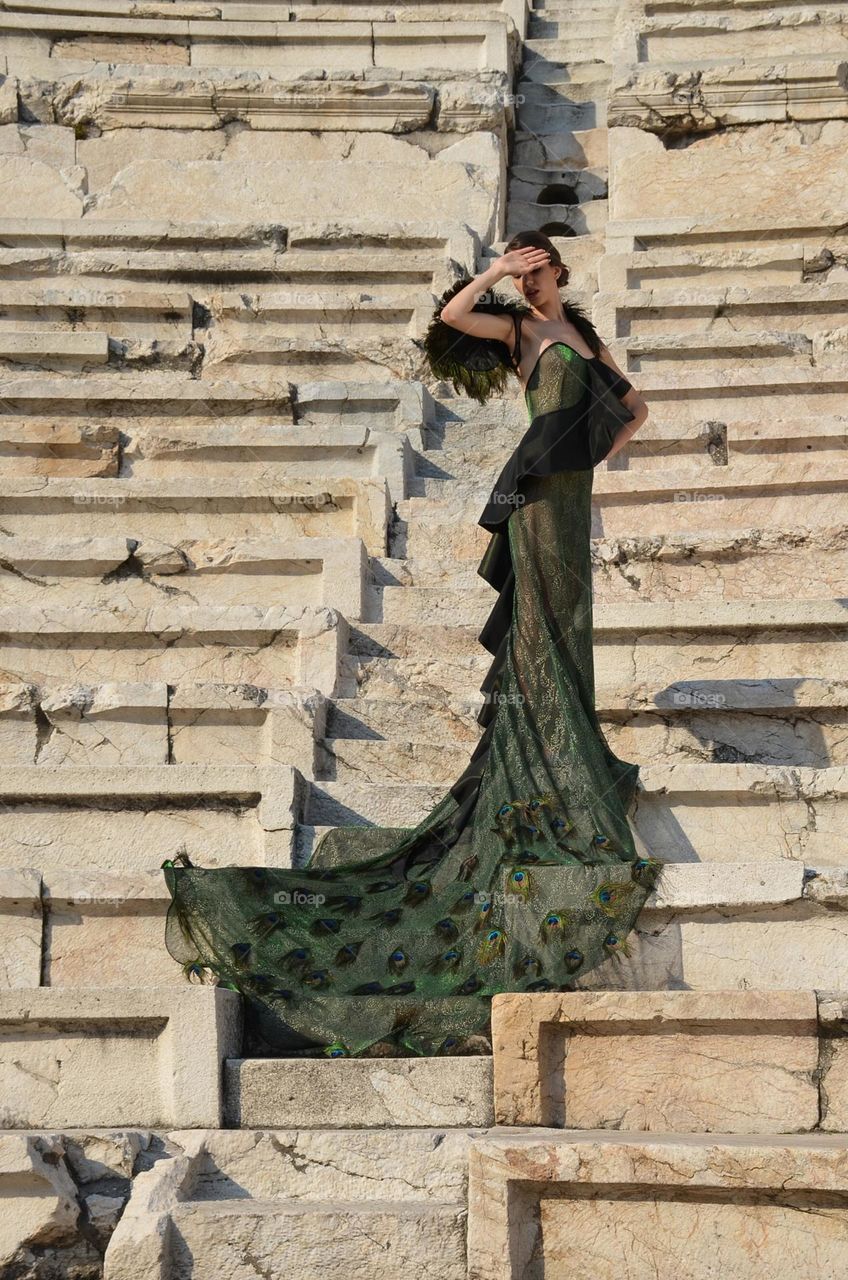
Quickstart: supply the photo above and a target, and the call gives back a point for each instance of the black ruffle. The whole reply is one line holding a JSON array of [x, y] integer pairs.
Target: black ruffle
[[576, 438]]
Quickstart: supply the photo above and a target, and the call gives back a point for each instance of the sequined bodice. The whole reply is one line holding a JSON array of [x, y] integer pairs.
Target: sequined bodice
[[558, 379]]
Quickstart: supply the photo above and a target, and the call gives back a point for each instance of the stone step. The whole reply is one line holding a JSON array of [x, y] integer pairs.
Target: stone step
[[710, 565], [684, 311], [82, 573], [146, 258], [685, 812], [169, 399], [273, 45], [272, 453], [463, 445], [723, 348], [636, 633], [783, 722], [127, 819], [47, 348], [377, 1202], [89, 725], [566, 1201], [585, 219], [382, 1239], [530, 184], [470, 606], [567, 62], [659, 501], [358, 1093], [336, 508], [574, 148], [670, 1061], [767, 924], [575, 37], [115, 1057], [544, 111], [667, 253], [267, 321]]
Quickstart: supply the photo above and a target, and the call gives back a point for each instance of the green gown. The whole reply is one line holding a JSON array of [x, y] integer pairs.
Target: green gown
[[524, 876]]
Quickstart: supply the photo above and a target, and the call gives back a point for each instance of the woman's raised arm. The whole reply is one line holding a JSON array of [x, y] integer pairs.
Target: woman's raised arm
[[459, 313]]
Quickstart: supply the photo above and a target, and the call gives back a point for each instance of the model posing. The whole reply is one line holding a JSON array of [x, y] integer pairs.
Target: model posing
[[524, 876]]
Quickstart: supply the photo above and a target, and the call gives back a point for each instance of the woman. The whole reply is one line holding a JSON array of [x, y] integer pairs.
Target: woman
[[524, 876]]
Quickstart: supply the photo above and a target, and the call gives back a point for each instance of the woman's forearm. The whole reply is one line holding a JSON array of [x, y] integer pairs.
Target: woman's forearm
[[463, 302], [625, 433]]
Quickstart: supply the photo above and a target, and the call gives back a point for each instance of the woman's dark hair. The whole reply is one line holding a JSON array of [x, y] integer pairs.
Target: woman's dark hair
[[574, 313]]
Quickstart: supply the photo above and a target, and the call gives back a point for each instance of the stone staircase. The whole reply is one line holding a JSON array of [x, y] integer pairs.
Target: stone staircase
[[674, 1133], [239, 606], [559, 168]]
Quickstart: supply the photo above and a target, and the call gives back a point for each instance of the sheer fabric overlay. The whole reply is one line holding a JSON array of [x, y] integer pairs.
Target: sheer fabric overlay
[[523, 877]]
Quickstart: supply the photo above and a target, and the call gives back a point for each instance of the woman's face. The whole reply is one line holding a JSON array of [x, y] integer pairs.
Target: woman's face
[[540, 284]]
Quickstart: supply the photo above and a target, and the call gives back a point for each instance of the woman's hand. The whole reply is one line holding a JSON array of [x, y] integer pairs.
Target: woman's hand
[[519, 261]]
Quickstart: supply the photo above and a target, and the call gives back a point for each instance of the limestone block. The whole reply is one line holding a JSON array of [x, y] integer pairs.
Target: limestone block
[[277, 645], [379, 1240], [62, 1196], [49, 144], [58, 449], [39, 1196], [18, 731], [685, 811], [392, 1191], [170, 510], [306, 573], [128, 820], [710, 97], [676, 1061], [138, 1056], [29, 184], [192, 102], [270, 453], [671, 1207], [147, 189], [107, 724], [107, 929], [49, 347], [215, 724], [833, 1021], [729, 31], [652, 181], [804, 945], [8, 102], [140, 1245], [20, 928], [359, 1093]]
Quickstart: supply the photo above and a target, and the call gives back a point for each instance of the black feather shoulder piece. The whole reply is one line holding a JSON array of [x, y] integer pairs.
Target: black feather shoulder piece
[[477, 367]]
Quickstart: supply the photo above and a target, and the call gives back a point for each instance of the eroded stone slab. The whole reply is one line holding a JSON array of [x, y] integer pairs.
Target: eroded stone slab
[[670, 1208], [676, 1061]]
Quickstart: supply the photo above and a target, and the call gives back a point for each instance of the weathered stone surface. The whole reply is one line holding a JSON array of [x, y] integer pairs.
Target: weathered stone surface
[[361, 1093], [666, 1206], [115, 1056], [654, 182], [674, 1061], [20, 928], [338, 1197]]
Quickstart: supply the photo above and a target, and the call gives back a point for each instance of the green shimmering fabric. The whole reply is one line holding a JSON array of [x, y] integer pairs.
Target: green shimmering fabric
[[530, 882]]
